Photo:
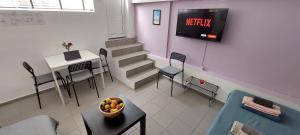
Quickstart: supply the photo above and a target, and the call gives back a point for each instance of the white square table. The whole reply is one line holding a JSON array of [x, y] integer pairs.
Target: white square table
[[58, 62]]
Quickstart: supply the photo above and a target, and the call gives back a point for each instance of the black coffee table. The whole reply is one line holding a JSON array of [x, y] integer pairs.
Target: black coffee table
[[97, 124]]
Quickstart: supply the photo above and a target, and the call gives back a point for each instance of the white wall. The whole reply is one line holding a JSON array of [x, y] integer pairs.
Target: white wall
[[130, 19], [32, 43]]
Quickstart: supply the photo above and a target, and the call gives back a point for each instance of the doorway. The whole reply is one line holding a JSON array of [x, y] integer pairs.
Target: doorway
[[116, 18]]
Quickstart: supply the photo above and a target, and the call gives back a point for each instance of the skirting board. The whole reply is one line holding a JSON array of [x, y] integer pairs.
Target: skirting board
[[226, 86], [25, 96]]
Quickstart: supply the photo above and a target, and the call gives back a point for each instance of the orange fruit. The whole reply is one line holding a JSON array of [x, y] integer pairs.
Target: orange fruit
[[114, 101], [113, 106]]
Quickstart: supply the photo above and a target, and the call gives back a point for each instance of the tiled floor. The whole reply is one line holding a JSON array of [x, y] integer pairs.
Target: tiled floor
[[184, 114]]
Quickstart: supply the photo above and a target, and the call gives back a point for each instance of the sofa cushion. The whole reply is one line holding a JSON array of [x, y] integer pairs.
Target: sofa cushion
[[39, 125]]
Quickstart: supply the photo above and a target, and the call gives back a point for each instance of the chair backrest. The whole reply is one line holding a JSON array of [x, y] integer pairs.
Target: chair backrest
[[28, 68], [177, 56], [103, 52], [80, 66]]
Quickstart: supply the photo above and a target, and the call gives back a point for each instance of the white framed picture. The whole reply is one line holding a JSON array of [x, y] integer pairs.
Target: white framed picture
[[156, 16]]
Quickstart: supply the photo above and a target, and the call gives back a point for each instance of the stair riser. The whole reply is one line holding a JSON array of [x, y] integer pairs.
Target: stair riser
[[139, 69], [124, 51], [144, 81], [131, 60], [119, 42]]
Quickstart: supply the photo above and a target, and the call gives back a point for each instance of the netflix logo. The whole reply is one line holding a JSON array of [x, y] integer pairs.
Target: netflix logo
[[202, 22]]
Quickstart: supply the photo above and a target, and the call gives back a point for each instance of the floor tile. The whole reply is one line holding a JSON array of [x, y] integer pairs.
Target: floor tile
[[152, 128], [165, 114], [74, 132], [179, 128], [66, 126], [150, 94], [139, 100], [192, 116], [164, 118], [205, 123], [166, 132], [175, 107], [150, 108], [161, 100]]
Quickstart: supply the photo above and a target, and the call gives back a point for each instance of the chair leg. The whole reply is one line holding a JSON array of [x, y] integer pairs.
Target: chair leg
[[38, 96], [110, 74], [63, 83], [75, 94], [182, 80], [104, 71], [89, 83], [157, 80], [93, 78], [172, 88], [68, 88], [93, 83]]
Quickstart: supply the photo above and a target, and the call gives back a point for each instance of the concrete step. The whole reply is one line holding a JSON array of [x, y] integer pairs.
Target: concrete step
[[125, 49], [130, 63], [119, 42], [127, 59], [138, 67], [144, 77]]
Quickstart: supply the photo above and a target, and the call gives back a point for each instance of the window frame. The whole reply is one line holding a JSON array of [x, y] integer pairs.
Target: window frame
[[60, 9]]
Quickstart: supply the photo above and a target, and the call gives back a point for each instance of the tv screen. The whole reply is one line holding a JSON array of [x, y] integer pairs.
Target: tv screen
[[206, 24]]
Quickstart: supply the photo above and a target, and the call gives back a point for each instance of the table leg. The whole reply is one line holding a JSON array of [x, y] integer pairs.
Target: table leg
[[88, 130], [101, 69], [57, 87], [143, 126]]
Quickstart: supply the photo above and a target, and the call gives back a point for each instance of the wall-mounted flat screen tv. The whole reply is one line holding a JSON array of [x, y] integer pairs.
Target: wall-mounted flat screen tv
[[206, 24]]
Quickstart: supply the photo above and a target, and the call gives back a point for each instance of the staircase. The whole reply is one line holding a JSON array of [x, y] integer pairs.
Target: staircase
[[129, 62]]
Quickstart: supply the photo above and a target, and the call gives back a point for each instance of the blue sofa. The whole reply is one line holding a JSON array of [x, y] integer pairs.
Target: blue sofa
[[232, 111]]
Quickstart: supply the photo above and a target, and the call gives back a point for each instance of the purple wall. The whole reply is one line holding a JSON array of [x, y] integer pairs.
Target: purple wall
[[154, 36], [260, 43]]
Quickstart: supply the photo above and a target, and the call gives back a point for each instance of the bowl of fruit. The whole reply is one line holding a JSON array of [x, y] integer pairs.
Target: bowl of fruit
[[112, 107]]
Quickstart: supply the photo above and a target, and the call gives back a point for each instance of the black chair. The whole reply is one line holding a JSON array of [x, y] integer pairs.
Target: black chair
[[79, 72], [96, 65], [171, 71], [43, 79]]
